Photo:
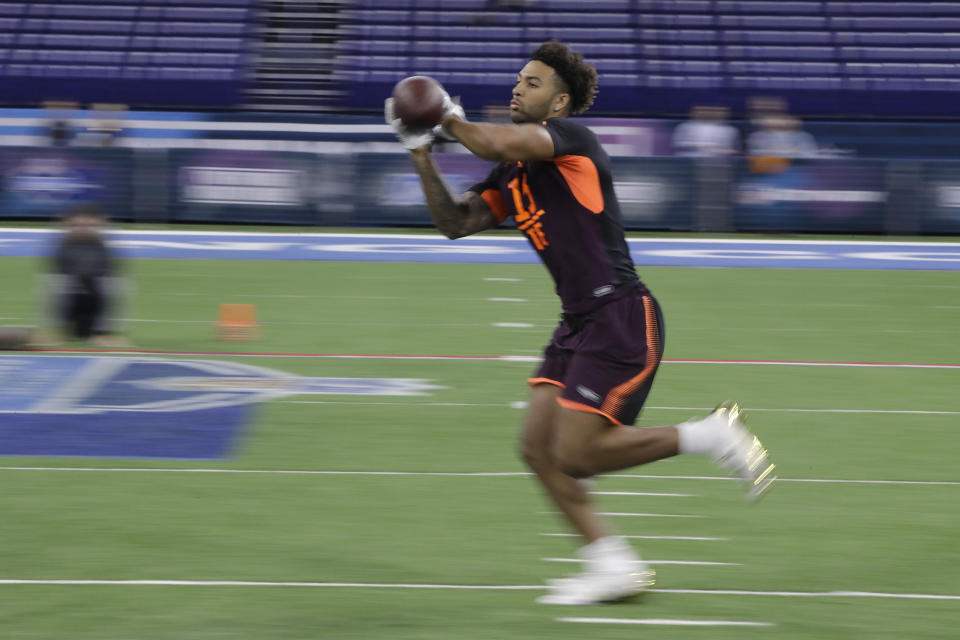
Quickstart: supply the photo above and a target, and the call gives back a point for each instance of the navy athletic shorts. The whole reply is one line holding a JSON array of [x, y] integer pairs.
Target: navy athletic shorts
[[605, 360]]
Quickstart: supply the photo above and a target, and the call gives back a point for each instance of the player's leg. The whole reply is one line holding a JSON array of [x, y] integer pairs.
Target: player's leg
[[607, 383], [611, 569], [587, 444], [537, 446]]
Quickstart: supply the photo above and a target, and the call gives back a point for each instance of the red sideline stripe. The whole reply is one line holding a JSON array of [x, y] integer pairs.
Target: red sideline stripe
[[374, 356]]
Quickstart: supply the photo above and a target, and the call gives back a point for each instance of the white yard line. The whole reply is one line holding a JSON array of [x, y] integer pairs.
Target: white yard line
[[687, 538], [470, 587], [449, 474], [669, 622], [642, 493], [522, 404], [678, 562]]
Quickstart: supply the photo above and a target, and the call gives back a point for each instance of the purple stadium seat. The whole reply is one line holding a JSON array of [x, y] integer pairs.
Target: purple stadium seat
[[597, 49], [782, 53], [675, 6], [87, 11], [915, 8], [895, 24], [898, 39], [13, 8], [697, 36], [675, 20], [679, 51], [447, 63], [383, 63], [202, 28], [616, 65], [88, 26], [224, 14], [386, 76], [485, 49], [577, 18], [734, 36], [446, 4], [376, 16], [787, 82], [579, 5], [756, 7], [771, 22], [377, 31], [498, 18], [894, 54], [57, 56], [483, 34], [757, 67], [69, 41], [902, 69], [374, 47], [677, 82], [682, 67], [189, 44], [569, 34]]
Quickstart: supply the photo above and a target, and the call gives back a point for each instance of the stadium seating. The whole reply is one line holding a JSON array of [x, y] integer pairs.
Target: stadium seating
[[663, 56], [152, 52]]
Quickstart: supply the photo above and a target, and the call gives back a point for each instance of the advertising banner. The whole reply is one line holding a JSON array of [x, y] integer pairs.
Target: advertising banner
[[42, 182], [940, 199], [223, 185], [826, 195], [656, 193], [387, 189]]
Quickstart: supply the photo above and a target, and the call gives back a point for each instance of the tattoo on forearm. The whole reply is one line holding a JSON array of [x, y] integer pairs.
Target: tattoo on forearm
[[446, 212]]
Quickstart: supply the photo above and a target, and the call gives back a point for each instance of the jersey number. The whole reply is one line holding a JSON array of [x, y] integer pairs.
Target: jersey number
[[528, 215]]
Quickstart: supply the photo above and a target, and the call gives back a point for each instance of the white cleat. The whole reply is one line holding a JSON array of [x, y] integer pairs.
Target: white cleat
[[594, 587], [613, 573], [739, 451]]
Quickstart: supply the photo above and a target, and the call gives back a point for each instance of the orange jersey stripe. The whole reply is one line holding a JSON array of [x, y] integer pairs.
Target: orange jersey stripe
[[495, 201], [583, 179], [576, 406], [618, 396], [535, 381]]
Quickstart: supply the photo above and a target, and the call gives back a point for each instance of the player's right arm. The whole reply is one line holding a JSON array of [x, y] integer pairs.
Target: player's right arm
[[454, 217]]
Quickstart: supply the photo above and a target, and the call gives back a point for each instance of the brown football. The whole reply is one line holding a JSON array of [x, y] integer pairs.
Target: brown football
[[418, 102]]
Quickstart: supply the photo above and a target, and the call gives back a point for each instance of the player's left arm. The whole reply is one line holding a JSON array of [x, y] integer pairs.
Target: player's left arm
[[501, 142]]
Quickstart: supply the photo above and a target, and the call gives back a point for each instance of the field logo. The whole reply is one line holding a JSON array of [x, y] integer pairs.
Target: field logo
[[149, 407]]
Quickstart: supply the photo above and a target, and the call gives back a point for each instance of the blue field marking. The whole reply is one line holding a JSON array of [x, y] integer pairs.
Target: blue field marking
[[493, 249], [149, 407]]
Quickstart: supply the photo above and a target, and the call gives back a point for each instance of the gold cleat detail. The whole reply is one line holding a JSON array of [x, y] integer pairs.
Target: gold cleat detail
[[759, 469]]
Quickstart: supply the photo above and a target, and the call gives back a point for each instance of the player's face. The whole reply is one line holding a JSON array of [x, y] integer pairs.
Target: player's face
[[534, 93]]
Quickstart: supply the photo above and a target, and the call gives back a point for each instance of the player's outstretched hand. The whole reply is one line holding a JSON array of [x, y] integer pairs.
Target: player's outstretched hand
[[451, 107], [408, 138]]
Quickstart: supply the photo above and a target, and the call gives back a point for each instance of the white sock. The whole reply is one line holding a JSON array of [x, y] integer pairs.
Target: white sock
[[611, 553], [696, 436]]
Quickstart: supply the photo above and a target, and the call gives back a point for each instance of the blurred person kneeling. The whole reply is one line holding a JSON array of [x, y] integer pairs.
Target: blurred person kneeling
[[83, 284]]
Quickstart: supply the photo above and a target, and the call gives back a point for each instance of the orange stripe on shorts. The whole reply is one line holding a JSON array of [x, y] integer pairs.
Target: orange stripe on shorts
[[577, 406], [618, 395], [535, 381]]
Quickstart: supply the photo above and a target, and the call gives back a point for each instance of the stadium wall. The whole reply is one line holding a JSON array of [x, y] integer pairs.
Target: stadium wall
[[838, 195]]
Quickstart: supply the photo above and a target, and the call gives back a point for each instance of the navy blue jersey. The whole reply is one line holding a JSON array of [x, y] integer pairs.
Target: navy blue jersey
[[566, 207]]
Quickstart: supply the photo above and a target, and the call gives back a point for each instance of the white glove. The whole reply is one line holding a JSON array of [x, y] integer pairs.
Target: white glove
[[408, 138], [451, 106]]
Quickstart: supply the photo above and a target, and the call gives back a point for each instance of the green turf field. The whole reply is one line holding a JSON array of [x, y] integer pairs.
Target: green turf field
[[887, 537]]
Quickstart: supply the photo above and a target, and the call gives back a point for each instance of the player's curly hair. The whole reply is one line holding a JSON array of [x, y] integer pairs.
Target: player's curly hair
[[579, 77]]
